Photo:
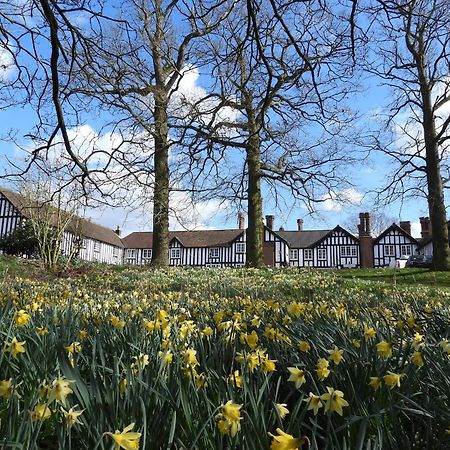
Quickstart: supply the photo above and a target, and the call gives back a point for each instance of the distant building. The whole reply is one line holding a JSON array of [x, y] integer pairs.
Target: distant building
[[334, 248]]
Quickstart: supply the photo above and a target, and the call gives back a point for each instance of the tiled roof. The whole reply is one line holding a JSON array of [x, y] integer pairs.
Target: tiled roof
[[198, 238], [303, 239], [85, 227], [394, 227]]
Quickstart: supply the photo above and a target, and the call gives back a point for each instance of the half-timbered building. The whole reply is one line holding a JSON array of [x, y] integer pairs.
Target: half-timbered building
[[393, 243], [322, 248], [206, 248], [93, 242]]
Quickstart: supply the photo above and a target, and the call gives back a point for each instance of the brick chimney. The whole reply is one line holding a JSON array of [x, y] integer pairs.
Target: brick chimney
[[300, 224], [269, 221], [117, 230], [405, 225], [365, 240], [425, 227], [241, 221]]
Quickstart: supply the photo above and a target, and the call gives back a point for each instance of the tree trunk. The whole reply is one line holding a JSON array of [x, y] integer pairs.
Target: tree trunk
[[160, 256], [436, 204], [255, 230]]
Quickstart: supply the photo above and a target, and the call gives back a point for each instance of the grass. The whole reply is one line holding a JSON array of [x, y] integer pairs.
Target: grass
[[404, 277], [102, 336]]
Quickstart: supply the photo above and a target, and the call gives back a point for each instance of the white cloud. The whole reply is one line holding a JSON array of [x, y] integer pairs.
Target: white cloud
[[335, 201], [415, 229], [7, 66]]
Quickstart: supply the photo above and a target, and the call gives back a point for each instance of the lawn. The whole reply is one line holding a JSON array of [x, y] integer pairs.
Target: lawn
[[222, 359], [405, 276]]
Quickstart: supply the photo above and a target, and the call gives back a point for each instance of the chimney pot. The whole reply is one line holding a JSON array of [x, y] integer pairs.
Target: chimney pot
[[405, 225], [300, 224], [241, 220], [117, 230], [425, 227], [270, 219]]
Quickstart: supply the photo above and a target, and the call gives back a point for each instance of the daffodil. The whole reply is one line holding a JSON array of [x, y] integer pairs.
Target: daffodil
[[6, 389], [322, 369], [60, 389], [126, 439], [282, 409], [297, 376], [41, 331], [417, 359], [22, 318], [334, 400], [336, 355], [236, 379], [41, 412], [369, 333], [392, 379], [15, 347], [384, 349], [229, 418], [284, 441], [71, 416], [304, 346], [375, 383], [314, 402]]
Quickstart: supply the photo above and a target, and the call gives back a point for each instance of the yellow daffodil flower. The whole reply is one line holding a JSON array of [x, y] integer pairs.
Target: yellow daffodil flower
[[126, 439], [6, 389], [384, 349], [60, 389], [297, 376], [284, 441], [417, 359], [71, 416], [304, 346], [15, 347], [282, 409], [375, 383], [392, 379], [22, 318], [229, 418], [336, 355], [314, 403], [41, 412], [334, 400]]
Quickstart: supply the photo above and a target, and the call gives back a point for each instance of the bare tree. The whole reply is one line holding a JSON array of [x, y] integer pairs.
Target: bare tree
[[275, 109], [411, 47], [134, 74]]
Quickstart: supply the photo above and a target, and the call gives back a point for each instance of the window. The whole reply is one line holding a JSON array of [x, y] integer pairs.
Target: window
[[83, 243], [293, 254], [213, 266], [240, 247], [175, 253], [308, 253], [348, 250], [322, 254], [389, 250], [131, 253], [405, 250], [214, 252], [147, 253], [96, 246], [115, 252]]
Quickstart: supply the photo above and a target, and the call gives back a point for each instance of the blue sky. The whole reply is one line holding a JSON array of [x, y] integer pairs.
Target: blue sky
[[365, 177]]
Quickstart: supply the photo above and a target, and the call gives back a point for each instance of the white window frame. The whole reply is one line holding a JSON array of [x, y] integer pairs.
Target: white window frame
[[115, 252], [213, 266], [131, 253], [405, 247], [96, 246], [147, 253], [293, 254], [321, 254], [214, 253], [175, 253], [240, 247], [308, 254], [389, 250], [349, 251], [83, 244]]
